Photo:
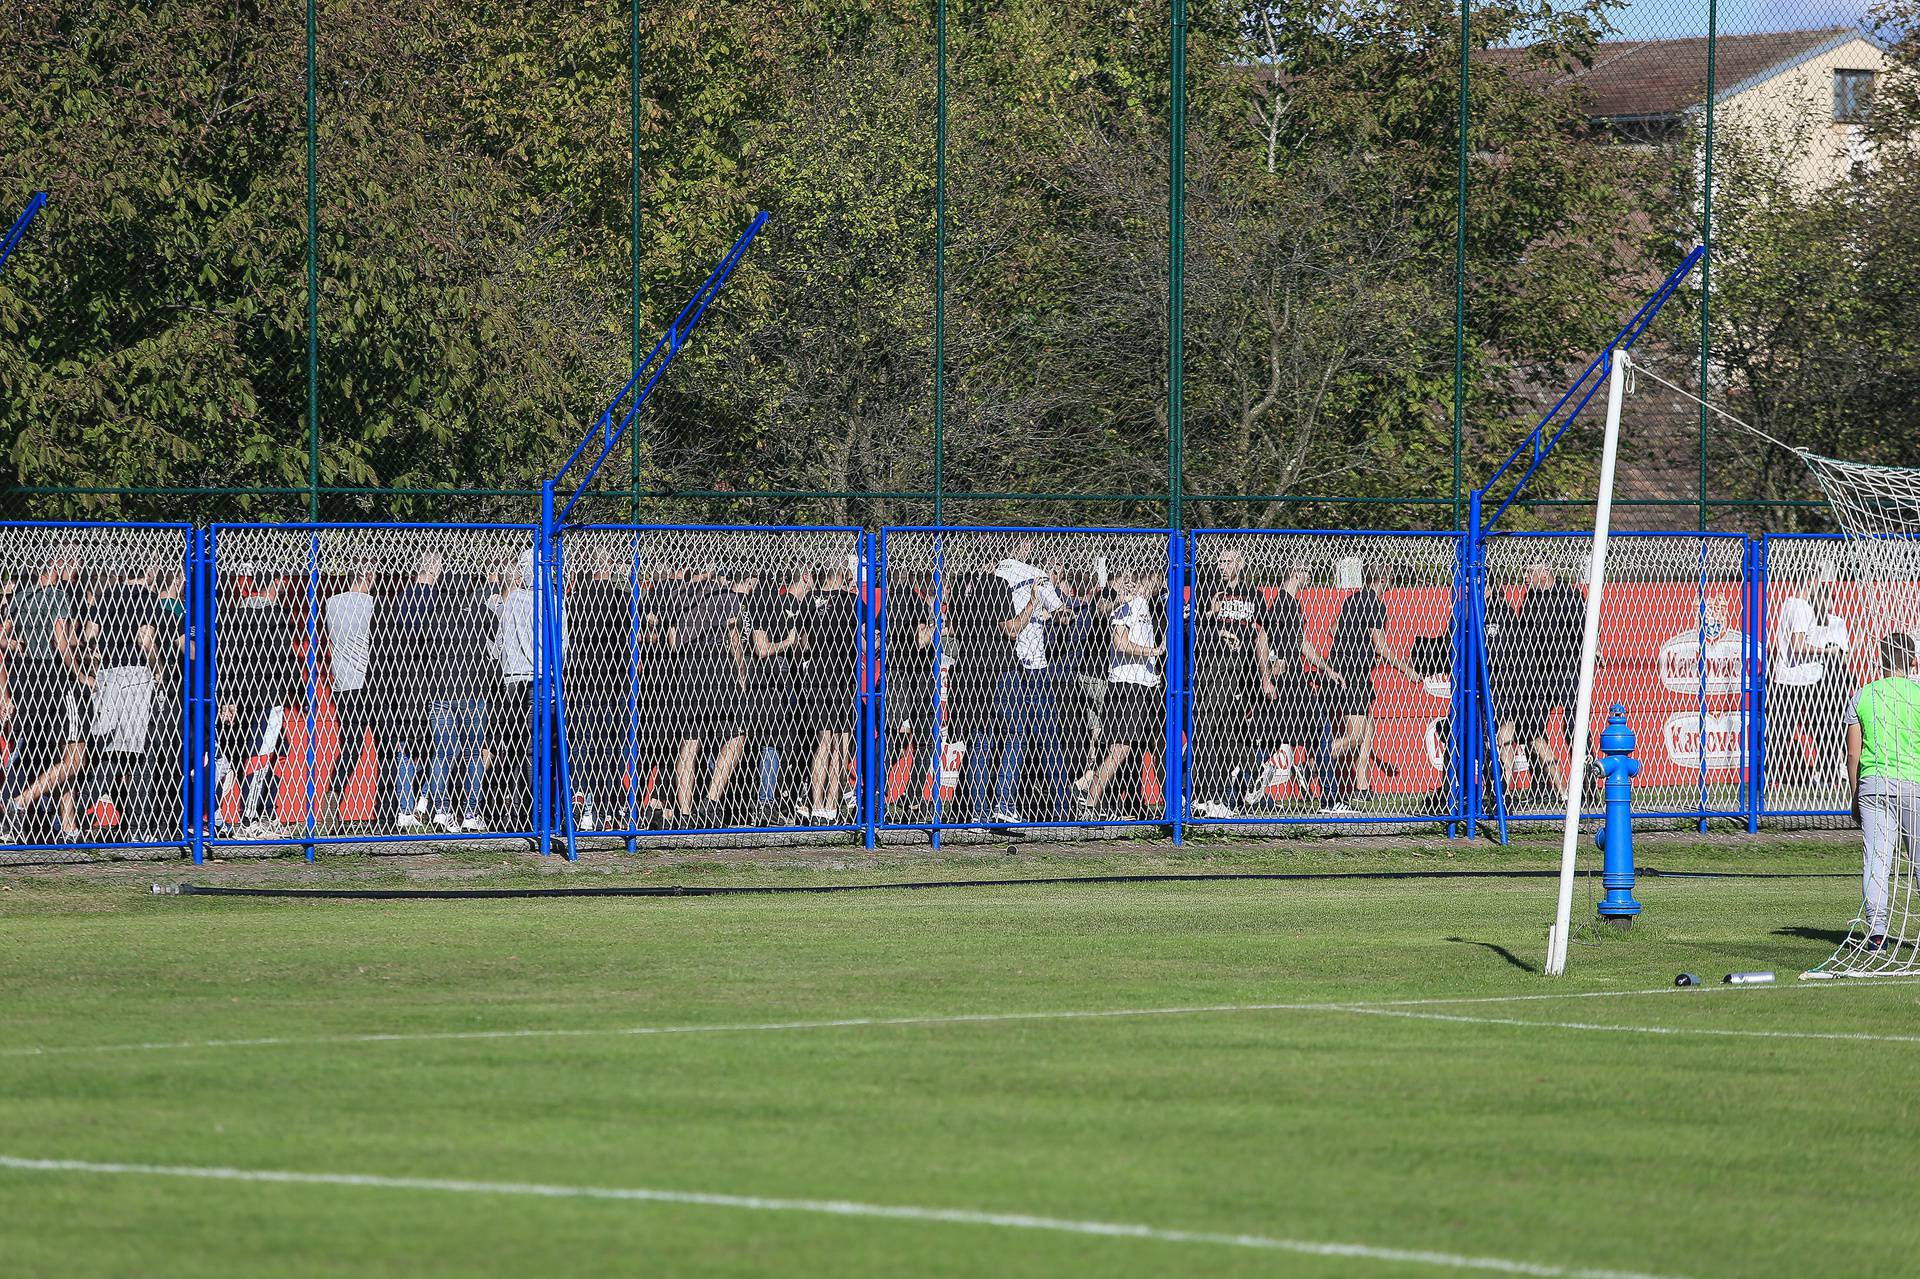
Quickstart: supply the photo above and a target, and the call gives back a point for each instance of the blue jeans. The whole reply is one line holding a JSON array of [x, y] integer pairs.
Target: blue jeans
[[459, 730], [405, 777], [1025, 711]]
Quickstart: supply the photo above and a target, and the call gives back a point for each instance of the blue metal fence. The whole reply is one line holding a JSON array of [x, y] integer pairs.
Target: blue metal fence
[[323, 685]]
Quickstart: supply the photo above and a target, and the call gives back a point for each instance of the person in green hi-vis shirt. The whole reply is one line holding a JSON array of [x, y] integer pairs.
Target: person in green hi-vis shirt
[[1883, 767]]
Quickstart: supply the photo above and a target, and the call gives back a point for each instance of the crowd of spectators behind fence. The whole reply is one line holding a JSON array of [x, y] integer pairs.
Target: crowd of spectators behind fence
[[91, 664], [1019, 688]]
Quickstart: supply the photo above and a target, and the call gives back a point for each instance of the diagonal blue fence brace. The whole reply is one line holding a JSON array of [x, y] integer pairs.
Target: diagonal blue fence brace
[[19, 229]]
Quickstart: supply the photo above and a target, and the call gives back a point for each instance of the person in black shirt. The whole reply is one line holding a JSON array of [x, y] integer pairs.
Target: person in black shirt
[[832, 687], [46, 675], [400, 684], [910, 691], [1231, 658], [773, 615], [462, 676], [978, 604], [1359, 643], [1550, 626], [126, 617], [654, 740], [1076, 661], [713, 676], [599, 668], [1294, 713], [166, 741], [1504, 691]]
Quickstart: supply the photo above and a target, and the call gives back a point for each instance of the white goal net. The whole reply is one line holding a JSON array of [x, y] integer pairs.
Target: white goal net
[[1878, 509]]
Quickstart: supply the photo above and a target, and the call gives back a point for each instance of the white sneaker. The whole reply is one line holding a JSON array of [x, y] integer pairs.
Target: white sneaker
[[1339, 808], [825, 816], [1213, 811], [1007, 817], [447, 822], [407, 821], [473, 822], [583, 811]]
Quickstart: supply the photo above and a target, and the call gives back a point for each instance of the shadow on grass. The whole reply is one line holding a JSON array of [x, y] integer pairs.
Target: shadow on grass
[[1501, 951], [1831, 936]]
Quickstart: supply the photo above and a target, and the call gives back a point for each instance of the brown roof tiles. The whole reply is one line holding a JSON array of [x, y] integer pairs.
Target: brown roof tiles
[[1653, 79]]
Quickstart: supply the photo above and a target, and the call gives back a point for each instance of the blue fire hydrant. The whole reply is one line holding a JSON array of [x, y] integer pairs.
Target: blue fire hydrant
[[1615, 836]]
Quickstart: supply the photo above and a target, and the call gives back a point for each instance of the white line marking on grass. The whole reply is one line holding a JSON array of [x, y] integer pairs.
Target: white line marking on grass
[[835, 1208], [933, 1019], [1413, 1014]]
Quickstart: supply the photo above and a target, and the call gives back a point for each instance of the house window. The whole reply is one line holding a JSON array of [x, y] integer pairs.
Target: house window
[[1852, 96]]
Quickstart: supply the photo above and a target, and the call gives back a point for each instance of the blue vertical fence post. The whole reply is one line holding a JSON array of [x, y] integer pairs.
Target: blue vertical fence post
[[1615, 836], [872, 756], [1460, 742], [1488, 766], [313, 677], [1470, 757], [186, 797], [544, 684], [559, 760], [937, 721], [1484, 771], [630, 775], [210, 689], [1173, 779], [209, 695], [1761, 557], [193, 709]]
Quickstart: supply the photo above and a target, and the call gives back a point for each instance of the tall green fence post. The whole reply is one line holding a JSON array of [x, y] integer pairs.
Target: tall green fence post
[[633, 241], [1460, 260], [1706, 259], [1176, 262], [939, 260], [313, 283]]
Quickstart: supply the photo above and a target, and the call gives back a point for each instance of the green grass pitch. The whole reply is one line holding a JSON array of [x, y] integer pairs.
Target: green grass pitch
[[1713, 1132]]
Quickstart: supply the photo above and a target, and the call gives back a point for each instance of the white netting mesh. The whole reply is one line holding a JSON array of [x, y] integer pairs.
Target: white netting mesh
[[712, 678], [92, 672], [1879, 512], [1025, 677], [1672, 653], [1816, 657], [1322, 675], [373, 681]]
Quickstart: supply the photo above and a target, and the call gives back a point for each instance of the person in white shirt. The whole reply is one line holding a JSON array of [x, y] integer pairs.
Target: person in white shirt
[[1025, 702], [349, 616], [1135, 712], [1811, 682]]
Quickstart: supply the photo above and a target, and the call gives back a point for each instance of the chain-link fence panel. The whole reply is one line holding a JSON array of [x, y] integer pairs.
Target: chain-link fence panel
[[95, 687], [1024, 677], [374, 682], [1817, 655], [1673, 653], [1320, 670], [713, 678]]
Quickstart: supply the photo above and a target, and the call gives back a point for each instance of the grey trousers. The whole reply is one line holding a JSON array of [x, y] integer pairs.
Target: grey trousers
[[1889, 816]]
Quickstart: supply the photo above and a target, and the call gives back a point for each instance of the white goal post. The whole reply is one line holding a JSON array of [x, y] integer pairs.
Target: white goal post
[[1618, 367]]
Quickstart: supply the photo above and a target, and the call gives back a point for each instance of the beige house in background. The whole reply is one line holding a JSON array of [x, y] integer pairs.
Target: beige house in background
[[1802, 95]]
